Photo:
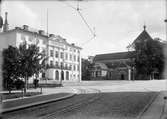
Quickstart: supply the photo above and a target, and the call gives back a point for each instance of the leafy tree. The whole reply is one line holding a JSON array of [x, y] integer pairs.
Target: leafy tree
[[32, 61], [10, 67], [23, 62], [149, 58], [86, 67]]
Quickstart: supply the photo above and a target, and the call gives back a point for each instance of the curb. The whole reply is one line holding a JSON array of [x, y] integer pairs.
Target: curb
[[37, 103], [148, 105]]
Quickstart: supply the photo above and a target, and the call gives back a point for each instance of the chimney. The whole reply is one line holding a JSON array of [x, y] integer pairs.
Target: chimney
[[72, 44], [1, 19], [6, 25], [25, 27]]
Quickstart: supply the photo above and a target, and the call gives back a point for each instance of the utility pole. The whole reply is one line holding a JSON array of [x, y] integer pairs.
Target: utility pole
[[166, 50]]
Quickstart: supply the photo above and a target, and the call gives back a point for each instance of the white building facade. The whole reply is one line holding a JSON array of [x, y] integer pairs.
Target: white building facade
[[64, 59]]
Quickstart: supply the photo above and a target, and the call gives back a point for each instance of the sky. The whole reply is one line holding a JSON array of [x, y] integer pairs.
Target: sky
[[116, 23]]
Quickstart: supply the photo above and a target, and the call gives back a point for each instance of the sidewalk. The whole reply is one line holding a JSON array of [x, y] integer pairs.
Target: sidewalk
[[157, 109], [48, 95]]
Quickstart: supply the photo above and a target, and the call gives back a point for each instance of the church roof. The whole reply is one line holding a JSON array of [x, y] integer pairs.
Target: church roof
[[142, 36], [113, 56]]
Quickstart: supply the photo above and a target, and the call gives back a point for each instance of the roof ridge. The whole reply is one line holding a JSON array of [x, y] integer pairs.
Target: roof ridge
[[113, 53]]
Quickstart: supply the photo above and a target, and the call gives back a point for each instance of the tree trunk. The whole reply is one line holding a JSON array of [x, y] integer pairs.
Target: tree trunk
[[25, 85]]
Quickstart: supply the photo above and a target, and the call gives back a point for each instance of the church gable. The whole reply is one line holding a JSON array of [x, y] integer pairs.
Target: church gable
[[142, 37]]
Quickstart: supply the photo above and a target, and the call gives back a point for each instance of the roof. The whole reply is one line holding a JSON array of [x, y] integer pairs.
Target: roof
[[114, 56], [35, 31], [142, 36]]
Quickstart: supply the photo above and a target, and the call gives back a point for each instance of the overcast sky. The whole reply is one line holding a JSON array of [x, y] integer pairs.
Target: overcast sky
[[117, 23]]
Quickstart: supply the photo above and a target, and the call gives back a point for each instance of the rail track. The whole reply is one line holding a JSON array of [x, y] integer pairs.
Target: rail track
[[76, 105], [51, 109]]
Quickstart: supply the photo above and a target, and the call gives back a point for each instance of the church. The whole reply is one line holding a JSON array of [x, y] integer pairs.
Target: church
[[119, 65]]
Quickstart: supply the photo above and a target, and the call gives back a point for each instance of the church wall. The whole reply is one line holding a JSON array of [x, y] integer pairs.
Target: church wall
[[118, 74]]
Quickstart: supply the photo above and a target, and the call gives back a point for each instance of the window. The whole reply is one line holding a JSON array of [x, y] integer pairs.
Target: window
[[74, 50], [62, 55], [56, 64], [70, 57], [57, 75], [74, 68], [66, 65], [78, 67], [70, 67], [67, 75], [51, 63], [61, 64], [78, 58], [74, 58], [56, 54], [66, 56], [51, 53]]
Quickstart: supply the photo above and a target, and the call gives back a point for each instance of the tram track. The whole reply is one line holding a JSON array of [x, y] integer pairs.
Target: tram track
[[79, 104], [51, 109]]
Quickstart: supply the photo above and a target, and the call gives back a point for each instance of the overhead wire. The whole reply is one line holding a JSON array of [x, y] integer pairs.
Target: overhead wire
[[86, 23], [84, 20]]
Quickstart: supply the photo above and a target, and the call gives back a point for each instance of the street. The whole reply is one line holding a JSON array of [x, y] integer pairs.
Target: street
[[116, 100]]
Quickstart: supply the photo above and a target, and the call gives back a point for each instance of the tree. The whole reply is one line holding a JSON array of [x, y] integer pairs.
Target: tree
[[86, 67], [149, 58], [10, 67], [23, 62], [32, 61]]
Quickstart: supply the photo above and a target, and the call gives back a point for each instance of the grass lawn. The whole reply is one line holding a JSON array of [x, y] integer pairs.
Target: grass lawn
[[18, 95]]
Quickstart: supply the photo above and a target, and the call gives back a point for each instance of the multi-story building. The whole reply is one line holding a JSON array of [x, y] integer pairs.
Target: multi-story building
[[64, 59]]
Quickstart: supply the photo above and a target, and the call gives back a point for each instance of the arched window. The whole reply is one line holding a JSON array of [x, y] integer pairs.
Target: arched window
[[57, 75], [67, 75]]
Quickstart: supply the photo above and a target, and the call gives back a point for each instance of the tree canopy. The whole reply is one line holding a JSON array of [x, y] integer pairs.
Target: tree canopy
[[10, 67], [23, 62], [149, 57]]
